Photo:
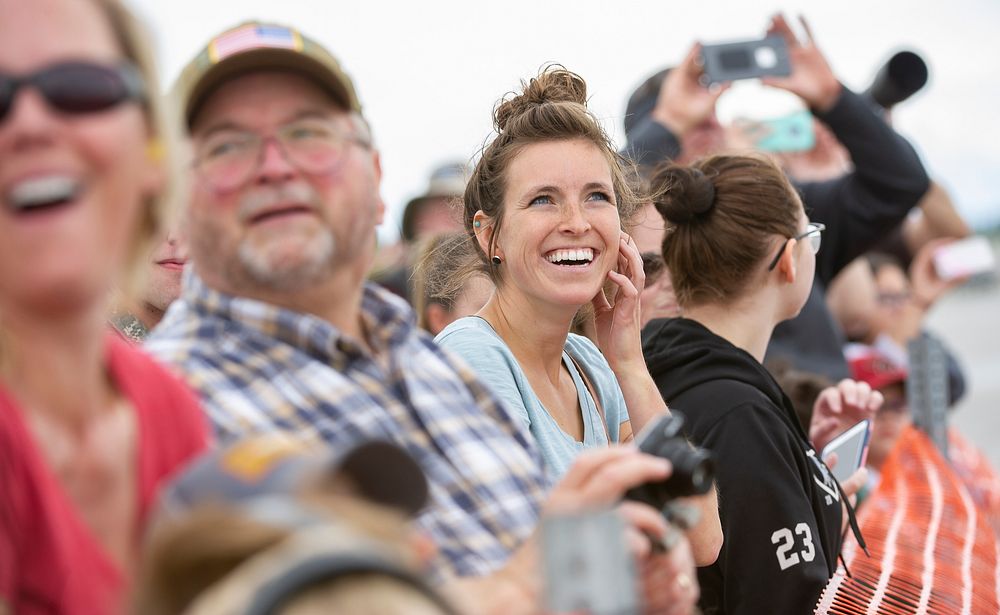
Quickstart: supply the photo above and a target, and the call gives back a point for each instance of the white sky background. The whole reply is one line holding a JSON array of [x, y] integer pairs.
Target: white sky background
[[429, 73]]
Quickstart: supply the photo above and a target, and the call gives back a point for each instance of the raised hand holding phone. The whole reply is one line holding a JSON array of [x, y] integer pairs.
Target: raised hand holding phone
[[850, 449]]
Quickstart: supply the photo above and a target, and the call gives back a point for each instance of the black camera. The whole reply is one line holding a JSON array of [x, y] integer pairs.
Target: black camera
[[898, 79], [694, 470]]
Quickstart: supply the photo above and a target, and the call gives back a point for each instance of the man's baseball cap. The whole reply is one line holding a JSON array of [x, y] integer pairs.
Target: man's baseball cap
[[259, 46], [870, 365], [277, 464]]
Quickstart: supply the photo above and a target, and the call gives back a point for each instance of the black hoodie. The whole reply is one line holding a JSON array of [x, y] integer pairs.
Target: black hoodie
[[779, 505]]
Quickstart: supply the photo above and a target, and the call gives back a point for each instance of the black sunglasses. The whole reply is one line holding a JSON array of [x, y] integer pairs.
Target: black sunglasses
[[76, 87]]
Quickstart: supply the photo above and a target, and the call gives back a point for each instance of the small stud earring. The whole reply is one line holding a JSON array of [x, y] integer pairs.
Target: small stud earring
[[496, 260], [477, 224]]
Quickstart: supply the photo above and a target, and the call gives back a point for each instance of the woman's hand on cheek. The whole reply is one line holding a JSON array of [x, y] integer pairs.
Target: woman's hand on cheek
[[618, 326]]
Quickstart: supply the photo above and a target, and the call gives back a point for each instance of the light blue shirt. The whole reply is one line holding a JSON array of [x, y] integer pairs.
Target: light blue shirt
[[475, 341]]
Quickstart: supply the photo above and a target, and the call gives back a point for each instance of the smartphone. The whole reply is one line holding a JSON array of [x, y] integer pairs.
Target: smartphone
[[586, 564], [851, 448], [790, 133], [965, 257], [752, 59]]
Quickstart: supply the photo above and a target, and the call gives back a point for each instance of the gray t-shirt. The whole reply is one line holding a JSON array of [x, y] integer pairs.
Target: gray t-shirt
[[475, 341]]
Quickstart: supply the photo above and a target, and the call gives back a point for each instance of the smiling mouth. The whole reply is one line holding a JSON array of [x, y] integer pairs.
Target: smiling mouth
[[279, 213], [42, 194], [571, 258]]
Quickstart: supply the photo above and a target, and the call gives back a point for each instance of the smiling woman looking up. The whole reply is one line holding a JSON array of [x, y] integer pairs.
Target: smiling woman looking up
[[543, 207]]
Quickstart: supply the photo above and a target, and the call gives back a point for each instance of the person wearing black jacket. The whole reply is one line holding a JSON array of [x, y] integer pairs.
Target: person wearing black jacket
[[743, 254], [672, 117]]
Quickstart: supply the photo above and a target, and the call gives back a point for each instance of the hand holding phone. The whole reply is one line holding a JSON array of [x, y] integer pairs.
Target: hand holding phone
[[789, 133], [749, 59], [964, 258], [851, 448]]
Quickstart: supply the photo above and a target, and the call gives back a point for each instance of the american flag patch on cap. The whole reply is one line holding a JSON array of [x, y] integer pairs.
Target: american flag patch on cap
[[253, 36]]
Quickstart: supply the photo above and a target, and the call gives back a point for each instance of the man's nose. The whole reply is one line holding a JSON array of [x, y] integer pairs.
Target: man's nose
[[274, 162]]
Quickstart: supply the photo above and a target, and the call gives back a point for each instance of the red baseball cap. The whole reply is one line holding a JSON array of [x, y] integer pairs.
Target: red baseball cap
[[879, 371]]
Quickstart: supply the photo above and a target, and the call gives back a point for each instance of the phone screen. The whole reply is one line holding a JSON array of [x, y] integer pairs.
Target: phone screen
[[964, 258], [751, 59], [790, 133], [851, 448]]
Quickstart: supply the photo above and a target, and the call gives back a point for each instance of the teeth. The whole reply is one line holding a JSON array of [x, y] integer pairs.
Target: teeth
[[43, 191], [583, 254]]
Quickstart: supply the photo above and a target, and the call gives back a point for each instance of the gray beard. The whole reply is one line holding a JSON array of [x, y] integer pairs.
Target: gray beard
[[268, 271]]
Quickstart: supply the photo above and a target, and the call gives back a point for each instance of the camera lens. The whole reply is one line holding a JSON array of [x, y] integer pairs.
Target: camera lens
[[693, 473], [693, 468]]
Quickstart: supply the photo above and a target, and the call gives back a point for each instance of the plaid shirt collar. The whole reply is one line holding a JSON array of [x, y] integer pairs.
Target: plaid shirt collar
[[385, 318]]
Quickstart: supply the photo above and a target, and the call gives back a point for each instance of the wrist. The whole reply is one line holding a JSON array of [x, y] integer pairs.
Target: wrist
[[670, 121], [827, 96], [502, 591], [629, 370], [517, 585]]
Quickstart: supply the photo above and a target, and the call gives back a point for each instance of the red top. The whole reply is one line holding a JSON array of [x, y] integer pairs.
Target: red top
[[50, 562]]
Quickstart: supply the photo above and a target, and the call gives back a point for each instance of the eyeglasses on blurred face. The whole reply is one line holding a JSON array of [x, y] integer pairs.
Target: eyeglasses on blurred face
[[814, 231], [227, 158], [76, 88]]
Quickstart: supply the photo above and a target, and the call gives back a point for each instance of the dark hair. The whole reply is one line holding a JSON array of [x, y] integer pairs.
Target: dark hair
[[643, 100], [802, 387], [721, 213], [551, 107], [878, 260]]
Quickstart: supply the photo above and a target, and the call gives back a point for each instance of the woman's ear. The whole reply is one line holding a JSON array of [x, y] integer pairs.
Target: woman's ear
[[483, 228], [786, 264]]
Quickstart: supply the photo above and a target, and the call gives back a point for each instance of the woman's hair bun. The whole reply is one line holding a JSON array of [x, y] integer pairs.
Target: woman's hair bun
[[682, 194], [554, 84]]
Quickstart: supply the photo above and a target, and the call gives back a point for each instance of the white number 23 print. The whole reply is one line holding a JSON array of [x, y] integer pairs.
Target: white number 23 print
[[788, 552]]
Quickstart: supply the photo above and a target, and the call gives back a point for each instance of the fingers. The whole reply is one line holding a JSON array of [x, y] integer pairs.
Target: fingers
[[859, 398], [828, 402], [855, 482], [600, 302], [691, 65], [853, 392], [644, 518], [669, 581], [779, 26], [629, 252], [626, 288], [875, 402], [822, 431], [588, 462], [805, 27], [831, 460], [602, 478]]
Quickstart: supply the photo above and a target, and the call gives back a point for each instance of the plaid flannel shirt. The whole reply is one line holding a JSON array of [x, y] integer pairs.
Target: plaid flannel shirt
[[259, 367]]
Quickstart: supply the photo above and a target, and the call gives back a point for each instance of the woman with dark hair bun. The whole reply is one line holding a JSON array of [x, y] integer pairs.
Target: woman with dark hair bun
[[742, 254]]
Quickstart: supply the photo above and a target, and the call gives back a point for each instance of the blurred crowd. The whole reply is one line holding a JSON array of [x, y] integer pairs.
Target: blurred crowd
[[590, 377]]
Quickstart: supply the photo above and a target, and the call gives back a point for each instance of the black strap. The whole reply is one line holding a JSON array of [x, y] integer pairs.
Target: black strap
[[853, 520]]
